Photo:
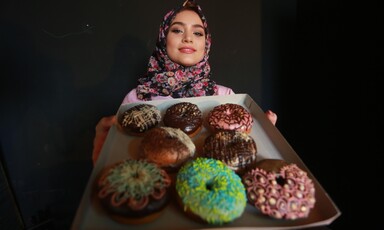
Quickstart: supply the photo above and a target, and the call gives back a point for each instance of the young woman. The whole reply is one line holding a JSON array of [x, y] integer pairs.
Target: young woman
[[177, 68]]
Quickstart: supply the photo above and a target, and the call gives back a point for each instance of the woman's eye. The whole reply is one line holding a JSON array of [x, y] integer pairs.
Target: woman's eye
[[176, 31], [199, 34]]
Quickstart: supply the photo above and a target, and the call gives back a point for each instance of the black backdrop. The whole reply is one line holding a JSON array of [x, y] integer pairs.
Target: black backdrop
[[65, 64]]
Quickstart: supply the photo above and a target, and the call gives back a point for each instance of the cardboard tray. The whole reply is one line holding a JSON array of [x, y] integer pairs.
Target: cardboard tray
[[270, 144]]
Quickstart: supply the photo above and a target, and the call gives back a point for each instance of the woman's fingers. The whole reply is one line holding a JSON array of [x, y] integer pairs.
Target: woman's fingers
[[271, 116], [101, 129]]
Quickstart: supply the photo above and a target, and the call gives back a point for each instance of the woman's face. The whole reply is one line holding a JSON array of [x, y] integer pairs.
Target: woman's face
[[186, 39]]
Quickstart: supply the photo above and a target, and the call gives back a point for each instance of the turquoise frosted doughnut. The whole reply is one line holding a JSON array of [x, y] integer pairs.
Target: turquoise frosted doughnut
[[211, 190]]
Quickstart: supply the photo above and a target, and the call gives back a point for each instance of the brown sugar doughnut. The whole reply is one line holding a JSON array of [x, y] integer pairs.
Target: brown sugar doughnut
[[230, 116], [279, 189], [139, 119], [236, 149], [167, 147], [133, 191], [185, 116]]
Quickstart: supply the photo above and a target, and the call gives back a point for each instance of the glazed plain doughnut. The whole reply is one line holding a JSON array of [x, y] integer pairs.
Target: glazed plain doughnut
[[167, 147]]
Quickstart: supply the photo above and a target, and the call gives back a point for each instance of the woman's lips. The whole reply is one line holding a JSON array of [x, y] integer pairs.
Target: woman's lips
[[187, 50]]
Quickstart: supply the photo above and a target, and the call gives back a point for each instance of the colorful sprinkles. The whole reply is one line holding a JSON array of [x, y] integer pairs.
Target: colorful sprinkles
[[211, 190]]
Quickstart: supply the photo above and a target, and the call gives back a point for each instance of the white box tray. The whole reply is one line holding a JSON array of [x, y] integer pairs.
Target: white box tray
[[270, 144]]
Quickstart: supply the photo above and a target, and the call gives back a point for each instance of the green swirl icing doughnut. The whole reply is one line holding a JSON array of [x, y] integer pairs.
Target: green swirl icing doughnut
[[133, 189], [211, 190]]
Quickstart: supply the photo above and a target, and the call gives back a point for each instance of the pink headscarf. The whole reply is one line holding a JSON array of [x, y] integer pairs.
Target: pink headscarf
[[167, 78]]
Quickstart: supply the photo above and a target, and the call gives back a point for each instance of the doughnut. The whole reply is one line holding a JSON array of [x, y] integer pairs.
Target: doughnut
[[185, 116], [139, 119], [133, 191], [230, 116], [209, 191], [167, 147], [236, 149], [279, 189]]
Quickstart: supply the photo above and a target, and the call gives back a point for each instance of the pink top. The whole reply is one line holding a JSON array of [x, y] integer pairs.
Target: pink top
[[132, 96]]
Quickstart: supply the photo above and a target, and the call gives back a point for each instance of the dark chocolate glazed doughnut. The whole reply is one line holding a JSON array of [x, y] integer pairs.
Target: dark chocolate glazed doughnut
[[185, 116], [230, 116], [139, 119], [236, 149]]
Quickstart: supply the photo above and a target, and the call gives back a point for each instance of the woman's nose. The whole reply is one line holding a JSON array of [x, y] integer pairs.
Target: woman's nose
[[187, 37]]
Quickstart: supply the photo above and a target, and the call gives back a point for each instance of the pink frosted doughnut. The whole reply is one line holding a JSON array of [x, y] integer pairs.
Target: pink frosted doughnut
[[230, 116], [279, 189]]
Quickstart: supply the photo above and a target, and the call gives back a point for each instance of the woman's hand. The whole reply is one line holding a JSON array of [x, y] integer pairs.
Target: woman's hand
[[101, 129], [271, 116]]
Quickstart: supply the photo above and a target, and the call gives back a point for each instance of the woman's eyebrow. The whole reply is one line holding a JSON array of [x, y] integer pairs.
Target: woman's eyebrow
[[183, 24]]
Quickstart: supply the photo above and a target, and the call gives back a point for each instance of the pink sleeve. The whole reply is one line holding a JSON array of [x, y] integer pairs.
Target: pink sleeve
[[222, 90], [132, 97]]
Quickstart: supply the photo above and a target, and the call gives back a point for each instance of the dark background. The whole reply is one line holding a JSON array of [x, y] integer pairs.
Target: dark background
[[65, 64]]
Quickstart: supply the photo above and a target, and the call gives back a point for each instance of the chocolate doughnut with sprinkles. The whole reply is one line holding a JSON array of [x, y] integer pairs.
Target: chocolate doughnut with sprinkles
[[185, 116]]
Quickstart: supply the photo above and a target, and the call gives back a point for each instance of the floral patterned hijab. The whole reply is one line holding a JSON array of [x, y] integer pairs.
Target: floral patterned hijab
[[167, 78]]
